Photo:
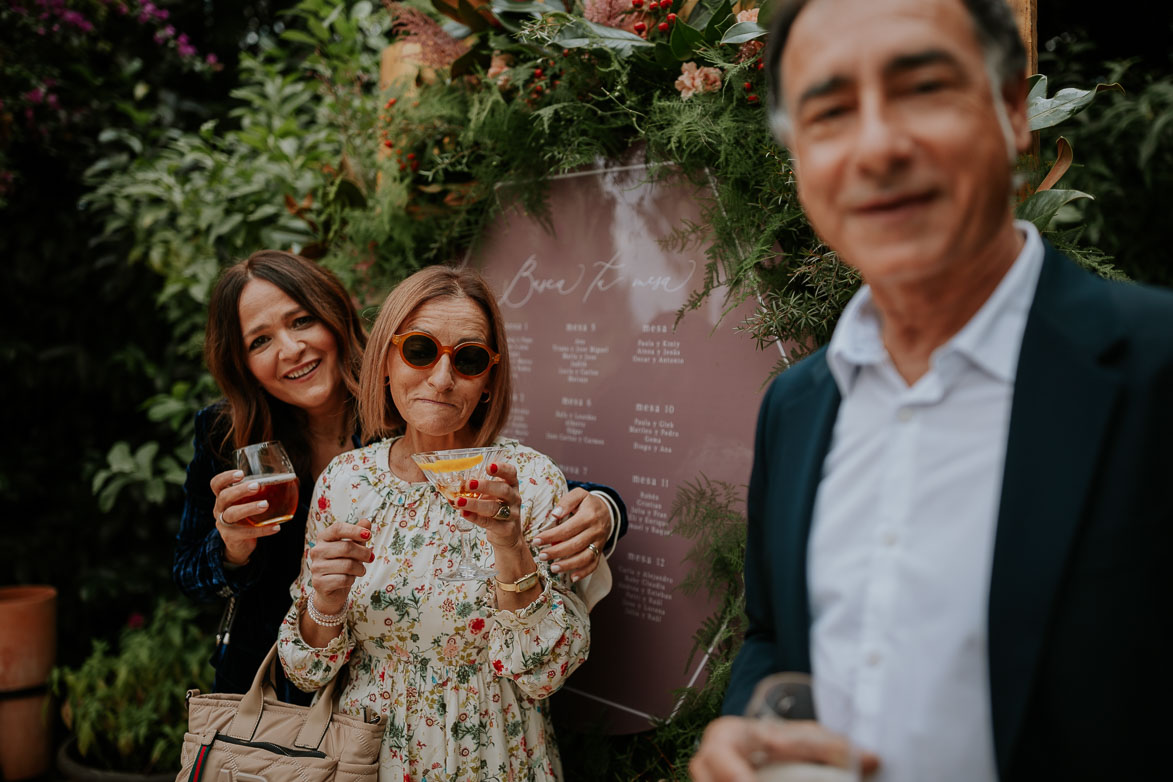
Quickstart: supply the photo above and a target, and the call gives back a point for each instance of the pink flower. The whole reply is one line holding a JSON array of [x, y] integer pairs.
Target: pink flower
[[694, 80], [612, 13], [212, 59], [750, 15]]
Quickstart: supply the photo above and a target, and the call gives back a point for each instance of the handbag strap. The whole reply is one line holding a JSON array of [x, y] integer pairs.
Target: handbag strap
[[248, 714]]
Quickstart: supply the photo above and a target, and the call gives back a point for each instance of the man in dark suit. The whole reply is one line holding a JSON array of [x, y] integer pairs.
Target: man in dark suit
[[959, 512]]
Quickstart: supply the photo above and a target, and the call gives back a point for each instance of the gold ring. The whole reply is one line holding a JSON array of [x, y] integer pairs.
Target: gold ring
[[592, 547], [503, 513]]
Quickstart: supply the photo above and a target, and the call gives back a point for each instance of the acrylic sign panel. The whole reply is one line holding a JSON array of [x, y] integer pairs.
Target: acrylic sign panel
[[606, 386]]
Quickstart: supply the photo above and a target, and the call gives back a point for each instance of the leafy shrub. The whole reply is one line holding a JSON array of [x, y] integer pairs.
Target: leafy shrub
[[127, 708]]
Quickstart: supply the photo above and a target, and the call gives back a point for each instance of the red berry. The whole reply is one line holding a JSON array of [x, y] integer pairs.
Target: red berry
[[672, 18], [665, 3], [388, 144], [411, 156], [748, 86], [752, 98], [663, 27], [415, 166], [389, 103], [640, 27], [402, 166], [761, 65], [637, 3], [538, 72], [653, 5]]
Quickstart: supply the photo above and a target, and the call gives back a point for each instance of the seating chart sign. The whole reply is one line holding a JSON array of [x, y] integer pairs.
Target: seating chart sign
[[615, 393]]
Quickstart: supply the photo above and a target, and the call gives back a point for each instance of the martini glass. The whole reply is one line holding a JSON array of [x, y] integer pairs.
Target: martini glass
[[449, 472]]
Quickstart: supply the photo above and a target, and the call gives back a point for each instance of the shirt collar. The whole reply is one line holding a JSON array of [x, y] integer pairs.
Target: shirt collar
[[990, 340]]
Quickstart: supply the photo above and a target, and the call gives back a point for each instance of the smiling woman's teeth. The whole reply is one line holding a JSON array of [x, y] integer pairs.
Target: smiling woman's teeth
[[303, 372]]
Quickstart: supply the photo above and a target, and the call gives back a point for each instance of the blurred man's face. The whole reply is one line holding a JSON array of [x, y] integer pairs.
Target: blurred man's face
[[903, 165]]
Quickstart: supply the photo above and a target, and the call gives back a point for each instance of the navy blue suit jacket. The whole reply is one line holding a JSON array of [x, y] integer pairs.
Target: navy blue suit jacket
[[1081, 669]]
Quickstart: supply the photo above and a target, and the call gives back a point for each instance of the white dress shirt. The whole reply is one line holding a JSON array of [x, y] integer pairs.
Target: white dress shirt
[[902, 537]]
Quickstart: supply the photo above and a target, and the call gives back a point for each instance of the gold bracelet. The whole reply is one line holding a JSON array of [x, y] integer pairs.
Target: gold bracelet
[[520, 585]]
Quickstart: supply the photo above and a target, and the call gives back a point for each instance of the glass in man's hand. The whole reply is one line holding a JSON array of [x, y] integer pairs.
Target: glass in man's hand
[[783, 697]]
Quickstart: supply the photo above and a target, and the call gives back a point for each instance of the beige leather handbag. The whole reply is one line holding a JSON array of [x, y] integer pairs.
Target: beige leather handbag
[[256, 738]]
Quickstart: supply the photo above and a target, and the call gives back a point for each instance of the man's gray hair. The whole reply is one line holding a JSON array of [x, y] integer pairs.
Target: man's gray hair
[[993, 20]]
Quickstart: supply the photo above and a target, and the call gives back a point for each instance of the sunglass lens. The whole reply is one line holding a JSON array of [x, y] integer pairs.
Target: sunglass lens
[[470, 360], [419, 351]]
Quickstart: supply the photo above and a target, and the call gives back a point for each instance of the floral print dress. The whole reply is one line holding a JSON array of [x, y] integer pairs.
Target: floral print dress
[[461, 682]]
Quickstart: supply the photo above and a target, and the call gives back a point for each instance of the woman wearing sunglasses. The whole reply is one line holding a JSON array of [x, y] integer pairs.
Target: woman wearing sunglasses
[[284, 344], [459, 667]]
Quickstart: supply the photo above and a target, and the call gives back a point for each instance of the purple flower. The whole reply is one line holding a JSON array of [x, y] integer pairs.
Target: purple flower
[[77, 20], [182, 39], [52, 101], [212, 59], [35, 95], [186, 50]]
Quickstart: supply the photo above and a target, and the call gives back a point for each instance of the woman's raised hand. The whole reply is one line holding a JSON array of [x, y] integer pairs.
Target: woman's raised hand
[[501, 530], [569, 544], [339, 556], [233, 506]]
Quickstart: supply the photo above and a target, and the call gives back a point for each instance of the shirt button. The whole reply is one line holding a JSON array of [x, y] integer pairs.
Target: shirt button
[[905, 414], [890, 539], [874, 658]]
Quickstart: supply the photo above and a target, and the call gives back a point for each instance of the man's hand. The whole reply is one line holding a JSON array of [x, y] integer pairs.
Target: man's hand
[[733, 748]]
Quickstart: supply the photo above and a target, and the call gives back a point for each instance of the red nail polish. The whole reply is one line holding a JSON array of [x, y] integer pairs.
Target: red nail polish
[[366, 533], [461, 502], [473, 484], [493, 469], [465, 513], [372, 559]]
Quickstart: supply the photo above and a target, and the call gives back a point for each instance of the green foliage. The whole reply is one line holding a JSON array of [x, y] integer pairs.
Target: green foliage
[[127, 707], [1124, 157]]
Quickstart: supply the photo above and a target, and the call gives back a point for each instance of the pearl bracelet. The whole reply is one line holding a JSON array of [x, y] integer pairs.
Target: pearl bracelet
[[324, 620]]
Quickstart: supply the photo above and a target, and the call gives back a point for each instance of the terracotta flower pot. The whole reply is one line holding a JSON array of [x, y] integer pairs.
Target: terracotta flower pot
[[28, 649], [69, 764]]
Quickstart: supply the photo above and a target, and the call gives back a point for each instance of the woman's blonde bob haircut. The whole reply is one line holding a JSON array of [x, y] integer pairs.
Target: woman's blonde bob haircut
[[376, 409]]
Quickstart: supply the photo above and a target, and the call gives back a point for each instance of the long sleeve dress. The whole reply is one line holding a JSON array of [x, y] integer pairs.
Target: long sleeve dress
[[463, 683]]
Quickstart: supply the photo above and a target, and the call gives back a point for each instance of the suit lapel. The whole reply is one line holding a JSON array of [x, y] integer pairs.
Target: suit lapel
[[1064, 397], [809, 421]]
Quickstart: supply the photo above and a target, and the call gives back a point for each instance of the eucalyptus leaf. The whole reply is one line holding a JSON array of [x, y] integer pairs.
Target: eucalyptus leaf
[[583, 34], [743, 32], [530, 9], [1043, 112], [1040, 208]]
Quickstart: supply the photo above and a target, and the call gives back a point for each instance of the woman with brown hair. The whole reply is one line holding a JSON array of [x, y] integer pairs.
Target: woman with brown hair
[[284, 344], [461, 668]]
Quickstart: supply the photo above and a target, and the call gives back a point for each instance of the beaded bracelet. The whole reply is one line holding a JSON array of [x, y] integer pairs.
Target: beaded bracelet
[[324, 620]]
